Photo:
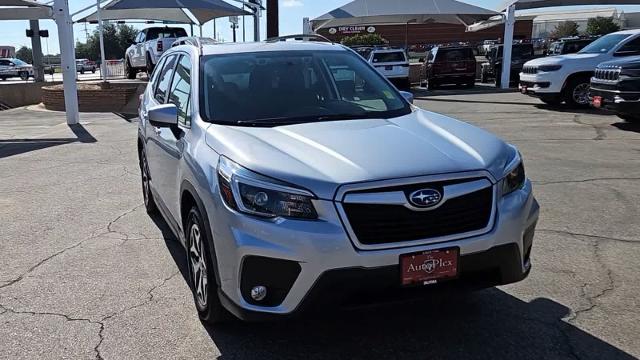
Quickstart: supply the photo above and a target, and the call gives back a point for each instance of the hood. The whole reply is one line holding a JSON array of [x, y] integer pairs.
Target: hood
[[322, 156], [587, 59], [625, 63]]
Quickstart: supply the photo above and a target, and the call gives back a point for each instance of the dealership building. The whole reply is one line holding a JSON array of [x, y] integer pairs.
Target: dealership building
[[419, 35]]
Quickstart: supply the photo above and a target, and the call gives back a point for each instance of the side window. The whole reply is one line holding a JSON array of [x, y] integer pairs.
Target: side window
[[632, 46], [164, 79], [156, 72], [180, 94], [143, 36], [433, 55]]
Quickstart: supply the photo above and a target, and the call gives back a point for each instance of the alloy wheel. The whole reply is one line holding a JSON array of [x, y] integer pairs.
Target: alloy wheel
[[145, 180], [581, 94], [198, 265]]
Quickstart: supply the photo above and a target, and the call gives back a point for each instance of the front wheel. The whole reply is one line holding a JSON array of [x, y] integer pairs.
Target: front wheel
[[201, 271], [24, 75], [577, 92]]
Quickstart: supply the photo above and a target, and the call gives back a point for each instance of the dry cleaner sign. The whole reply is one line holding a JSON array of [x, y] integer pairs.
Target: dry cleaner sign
[[347, 30]]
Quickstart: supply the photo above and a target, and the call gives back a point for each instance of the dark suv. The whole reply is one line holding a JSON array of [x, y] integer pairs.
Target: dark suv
[[616, 86], [492, 69], [449, 65], [567, 46]]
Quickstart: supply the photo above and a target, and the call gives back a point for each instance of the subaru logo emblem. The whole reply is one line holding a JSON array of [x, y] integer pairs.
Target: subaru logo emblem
[[425, 198]]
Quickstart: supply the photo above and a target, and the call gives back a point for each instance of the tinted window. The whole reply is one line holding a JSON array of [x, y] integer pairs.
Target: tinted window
[[166, 33], [294, 87], [631, 46], [389, 57], [180, 93], [457, 54], [5, 62], [164, 78], [604, 44]]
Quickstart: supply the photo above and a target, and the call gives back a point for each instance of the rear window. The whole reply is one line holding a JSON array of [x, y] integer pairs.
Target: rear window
[[166, 33], [387, 57], [457, 54]]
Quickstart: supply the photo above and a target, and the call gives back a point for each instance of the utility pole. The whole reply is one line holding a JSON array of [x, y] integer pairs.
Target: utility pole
[[36, 51], [103, 60]]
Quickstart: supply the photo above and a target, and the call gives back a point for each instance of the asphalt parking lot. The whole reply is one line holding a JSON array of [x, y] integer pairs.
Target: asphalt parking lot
[[85, 273]]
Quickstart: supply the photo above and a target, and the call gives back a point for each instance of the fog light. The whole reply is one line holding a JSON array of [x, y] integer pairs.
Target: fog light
[[258, 293]]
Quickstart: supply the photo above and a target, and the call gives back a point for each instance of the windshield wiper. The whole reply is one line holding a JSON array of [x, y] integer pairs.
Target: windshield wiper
[[300, 120]]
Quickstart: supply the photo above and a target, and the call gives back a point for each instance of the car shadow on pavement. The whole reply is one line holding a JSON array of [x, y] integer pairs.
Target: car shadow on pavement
[[627, 126], [487, 324], [10, 147]]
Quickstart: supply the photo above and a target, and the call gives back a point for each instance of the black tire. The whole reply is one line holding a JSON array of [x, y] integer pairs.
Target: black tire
[[576, 92], [498, 80], [147, 194], [129, 70], [431, 84], [24, 75], [3, 78], [484, 78], [201, 272], [149, 65], [471, 83], [82, 71], [632, 118], [93, 70]]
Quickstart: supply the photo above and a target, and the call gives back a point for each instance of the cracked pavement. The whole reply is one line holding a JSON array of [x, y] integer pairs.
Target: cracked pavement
[[85, 273]]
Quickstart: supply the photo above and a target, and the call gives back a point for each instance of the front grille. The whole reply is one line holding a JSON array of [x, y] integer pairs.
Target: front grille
[[375, 224], [607, 74], [530, 70]]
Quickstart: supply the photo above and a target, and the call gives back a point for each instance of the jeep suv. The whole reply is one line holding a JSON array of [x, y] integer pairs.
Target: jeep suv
[[449, 65], [295, 174], [565, 78], [615, 85], [492, 69]]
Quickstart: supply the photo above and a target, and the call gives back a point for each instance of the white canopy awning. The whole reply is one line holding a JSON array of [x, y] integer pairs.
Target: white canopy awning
[[202, 10], [364, 12], [24, 10], [177, 15]]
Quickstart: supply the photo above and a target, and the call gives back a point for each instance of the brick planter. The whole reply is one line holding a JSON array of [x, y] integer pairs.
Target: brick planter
[[102, 97]]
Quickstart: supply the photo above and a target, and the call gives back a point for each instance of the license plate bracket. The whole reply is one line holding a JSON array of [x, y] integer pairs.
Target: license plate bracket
[[429, 267]]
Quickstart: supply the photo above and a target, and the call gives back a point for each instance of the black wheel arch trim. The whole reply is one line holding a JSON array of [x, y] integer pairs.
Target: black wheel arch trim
[[186, 186]]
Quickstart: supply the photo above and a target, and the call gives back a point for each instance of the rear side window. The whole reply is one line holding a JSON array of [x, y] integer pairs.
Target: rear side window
[[457, 55], [632, 46], [164, 79], [389, 57], [180, 93]]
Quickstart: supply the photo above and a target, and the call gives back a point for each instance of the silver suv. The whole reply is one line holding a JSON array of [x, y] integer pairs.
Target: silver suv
[[295, 175]]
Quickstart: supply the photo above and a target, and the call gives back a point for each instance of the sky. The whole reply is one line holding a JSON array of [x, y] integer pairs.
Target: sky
[[291, 13]]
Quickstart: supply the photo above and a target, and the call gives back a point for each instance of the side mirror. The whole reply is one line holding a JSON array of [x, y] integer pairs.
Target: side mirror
[[407, 96], [165, 115]]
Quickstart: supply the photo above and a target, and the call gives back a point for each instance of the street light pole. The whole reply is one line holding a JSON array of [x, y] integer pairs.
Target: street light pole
[[103, 66], [507, 45]]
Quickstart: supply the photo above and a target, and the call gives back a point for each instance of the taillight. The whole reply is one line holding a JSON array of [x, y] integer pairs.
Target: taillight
[[159, 47]]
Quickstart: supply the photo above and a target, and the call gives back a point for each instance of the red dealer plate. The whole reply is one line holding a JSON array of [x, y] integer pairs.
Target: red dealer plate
[[523, 89], [429, 267], [597, 101]]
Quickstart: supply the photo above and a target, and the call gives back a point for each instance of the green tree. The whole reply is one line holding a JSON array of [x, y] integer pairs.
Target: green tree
[[116, 41], [565, 29], [368, 39], [25, 54], [601, 26]]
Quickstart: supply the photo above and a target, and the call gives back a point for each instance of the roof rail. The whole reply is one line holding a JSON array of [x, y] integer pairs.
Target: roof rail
[[303, 37]]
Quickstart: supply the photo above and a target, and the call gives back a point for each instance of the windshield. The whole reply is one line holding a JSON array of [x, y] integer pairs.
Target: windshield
[[294, 87], [19, 62], [604, 44]]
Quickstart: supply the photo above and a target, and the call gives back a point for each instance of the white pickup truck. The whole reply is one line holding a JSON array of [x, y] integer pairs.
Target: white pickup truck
[[148, 46], [565, 78]]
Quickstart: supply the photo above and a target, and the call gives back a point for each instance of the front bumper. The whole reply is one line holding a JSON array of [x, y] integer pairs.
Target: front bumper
[[321, 249], [618, 101], [540, 84]]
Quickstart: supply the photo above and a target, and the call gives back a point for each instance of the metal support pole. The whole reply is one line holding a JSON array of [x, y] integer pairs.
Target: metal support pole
[[36, 50], [509, 24], [244, 33], [65, 35], [200, 30], [256, 24], [273, 26], [103, 60], [215, 31]]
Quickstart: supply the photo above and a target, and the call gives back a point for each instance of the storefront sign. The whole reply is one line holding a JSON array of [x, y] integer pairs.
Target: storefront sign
[[351, 30]]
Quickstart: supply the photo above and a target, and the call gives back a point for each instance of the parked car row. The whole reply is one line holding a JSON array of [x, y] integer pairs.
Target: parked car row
[[567, 78], [12, 67]]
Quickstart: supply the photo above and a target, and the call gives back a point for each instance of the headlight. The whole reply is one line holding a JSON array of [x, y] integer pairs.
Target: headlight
[[549, 68], [515, 177], [254, 194]]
